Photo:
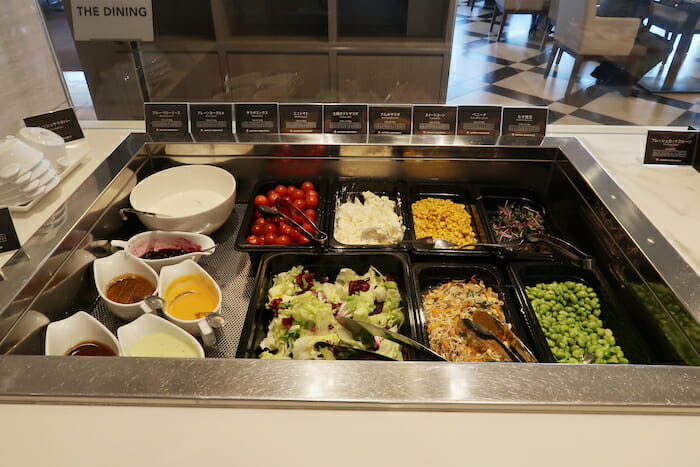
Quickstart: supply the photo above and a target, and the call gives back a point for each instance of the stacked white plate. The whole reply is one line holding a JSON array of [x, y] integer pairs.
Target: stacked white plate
[[25, 173]]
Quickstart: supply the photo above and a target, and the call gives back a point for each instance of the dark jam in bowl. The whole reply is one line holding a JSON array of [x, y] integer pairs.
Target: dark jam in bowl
[[91, 349], [170, 248], [164, 253]]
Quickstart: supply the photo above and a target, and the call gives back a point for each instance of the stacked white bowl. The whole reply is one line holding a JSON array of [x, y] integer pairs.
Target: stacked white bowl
[[25, 173]]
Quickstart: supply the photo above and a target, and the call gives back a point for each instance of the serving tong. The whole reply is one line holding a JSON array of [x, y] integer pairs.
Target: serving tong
[[366, 333], [486, 326], [286, 209], [559, 246]]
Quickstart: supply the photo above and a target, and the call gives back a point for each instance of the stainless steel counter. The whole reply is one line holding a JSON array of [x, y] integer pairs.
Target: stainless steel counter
[[410, 385]]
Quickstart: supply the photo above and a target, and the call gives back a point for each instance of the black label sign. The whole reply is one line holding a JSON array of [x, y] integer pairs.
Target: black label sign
[[166, 121], [302, 118], [345, 119], [390, 120], [8, 235], [434, 120], [211, 121], [479, 120], [670, 147], [63, 122], [256, 118], [525, 121]]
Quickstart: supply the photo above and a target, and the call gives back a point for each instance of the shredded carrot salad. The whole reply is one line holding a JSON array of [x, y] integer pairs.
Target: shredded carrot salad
[[445, 305]]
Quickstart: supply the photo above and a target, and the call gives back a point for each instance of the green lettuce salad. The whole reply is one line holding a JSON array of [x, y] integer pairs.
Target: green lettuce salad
[[305, 310]]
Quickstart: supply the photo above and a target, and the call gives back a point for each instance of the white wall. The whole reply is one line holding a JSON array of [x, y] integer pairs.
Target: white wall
[[29, 80]]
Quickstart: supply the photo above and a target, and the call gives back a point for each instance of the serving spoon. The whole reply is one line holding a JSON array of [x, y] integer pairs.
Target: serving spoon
[[124, 211]]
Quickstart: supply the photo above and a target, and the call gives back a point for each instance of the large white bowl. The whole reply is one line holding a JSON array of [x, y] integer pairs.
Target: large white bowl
[[191, 198]]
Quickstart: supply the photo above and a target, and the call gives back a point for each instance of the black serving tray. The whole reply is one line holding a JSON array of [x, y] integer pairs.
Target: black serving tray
[[347, 189], [455, 192], [322, 187], [428, 275], [613, 315], [490, 198], [257, 320]]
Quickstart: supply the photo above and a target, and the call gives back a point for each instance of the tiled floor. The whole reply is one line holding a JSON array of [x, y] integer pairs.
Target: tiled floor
[[510, 72]]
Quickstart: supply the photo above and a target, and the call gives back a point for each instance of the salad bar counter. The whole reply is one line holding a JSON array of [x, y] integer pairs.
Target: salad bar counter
[[415, 262]]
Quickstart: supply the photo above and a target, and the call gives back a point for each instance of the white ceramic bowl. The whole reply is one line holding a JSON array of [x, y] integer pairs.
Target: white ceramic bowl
[[61, 336], [149, 324], [109, 268], [198, 326], [159, 239], [51, 144], [191, 198], [17, 158]]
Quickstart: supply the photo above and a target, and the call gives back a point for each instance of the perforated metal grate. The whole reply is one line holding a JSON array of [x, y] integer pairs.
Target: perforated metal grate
[[234, 273]]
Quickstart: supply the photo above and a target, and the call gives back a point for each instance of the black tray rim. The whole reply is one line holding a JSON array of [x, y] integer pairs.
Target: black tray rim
[[333, 200], [242, 245], [512, 308], [245, 348]]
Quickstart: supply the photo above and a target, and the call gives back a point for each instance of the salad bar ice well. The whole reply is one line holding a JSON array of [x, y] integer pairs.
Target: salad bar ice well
[[259, 288]]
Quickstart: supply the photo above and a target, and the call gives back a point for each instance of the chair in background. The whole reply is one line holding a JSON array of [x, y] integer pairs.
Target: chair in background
[[509, 7], [586, 37], [667, 16], [550, 21]]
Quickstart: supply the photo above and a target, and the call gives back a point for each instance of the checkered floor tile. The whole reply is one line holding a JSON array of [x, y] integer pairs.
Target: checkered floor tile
[[511, 72]]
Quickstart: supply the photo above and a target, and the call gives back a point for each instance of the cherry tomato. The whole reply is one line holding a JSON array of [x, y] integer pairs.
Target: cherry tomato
[[261, 200], [281, 190], [307, 186], [311, 202], [295, 235], [300, 203], [297, 219], [270, 229], [258, 229], [270, 239], [252, 239], [257, 214], [272, 197], [313, 193], [298, 194], [259, 220], [283, 240], [286, 229], [291, 189], [288, 198], [311, 214], [269, 193], [303, 240]]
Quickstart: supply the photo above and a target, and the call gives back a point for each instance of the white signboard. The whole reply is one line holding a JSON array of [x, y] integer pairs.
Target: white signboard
[[115, 20]]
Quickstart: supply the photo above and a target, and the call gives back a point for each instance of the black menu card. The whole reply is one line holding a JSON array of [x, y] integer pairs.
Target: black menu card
[[62, 122], [390, 120], [256, 118], [301, 118]]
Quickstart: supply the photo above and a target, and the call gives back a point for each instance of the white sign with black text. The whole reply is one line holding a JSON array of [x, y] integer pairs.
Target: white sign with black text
[[114, 20]]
